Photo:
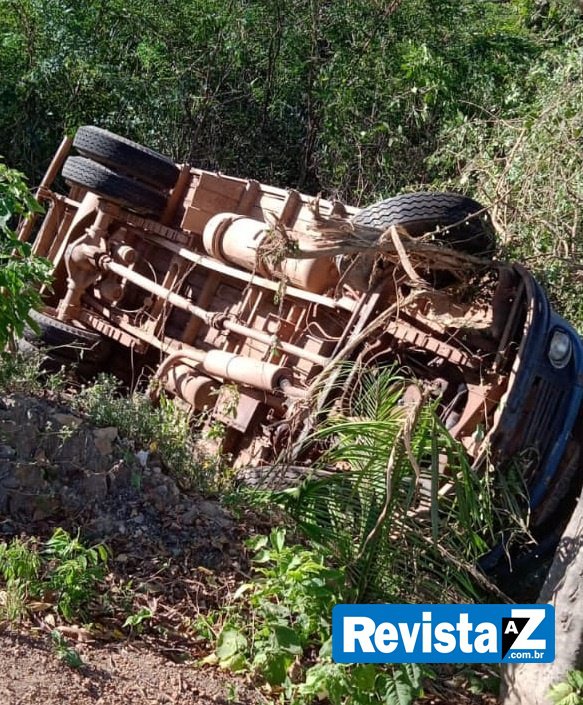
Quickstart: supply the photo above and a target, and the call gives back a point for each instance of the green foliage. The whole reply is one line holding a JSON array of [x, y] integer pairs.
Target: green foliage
[[404, 529], [74, 571], [359, 99], [136, 621], [346, 96], [570, 692], [163, 429], [22, 371], [63, 571], [20, 272], [279, 628], [64, 652], [530, 166], [19, 566]]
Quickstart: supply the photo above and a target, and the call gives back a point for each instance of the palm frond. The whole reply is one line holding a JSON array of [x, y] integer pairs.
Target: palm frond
[[402, 508]]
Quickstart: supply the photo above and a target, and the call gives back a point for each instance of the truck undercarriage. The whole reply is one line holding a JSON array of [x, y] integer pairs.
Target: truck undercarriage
[[242, 298]]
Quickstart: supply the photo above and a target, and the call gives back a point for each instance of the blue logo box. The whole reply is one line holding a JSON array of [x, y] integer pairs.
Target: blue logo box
[[443, 634]]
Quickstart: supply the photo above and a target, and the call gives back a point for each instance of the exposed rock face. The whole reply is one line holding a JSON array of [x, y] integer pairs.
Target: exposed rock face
[[50, 462], [57, 469]]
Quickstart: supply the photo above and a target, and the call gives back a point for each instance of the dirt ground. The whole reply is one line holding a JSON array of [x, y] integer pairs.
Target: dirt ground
[[114, 674]]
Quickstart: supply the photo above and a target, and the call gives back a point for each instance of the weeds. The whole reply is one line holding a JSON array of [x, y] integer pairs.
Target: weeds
[[570, 691], [21, 373], [74, 572], [20, 566], [64, 652], [20, 270], [138, 620], [528, 166], [163, 429], [279, 628], [393, 498], [63, 573]]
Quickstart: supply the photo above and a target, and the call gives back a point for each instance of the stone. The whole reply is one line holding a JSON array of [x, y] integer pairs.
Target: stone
[[67, 420], [142, 456], [119, 477], [29, 477], [95, 486], [189, 516], [44, 507], [104, 438], [7, 452]]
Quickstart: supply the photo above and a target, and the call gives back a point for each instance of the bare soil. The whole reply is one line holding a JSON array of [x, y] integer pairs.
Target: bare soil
[[114, 674]]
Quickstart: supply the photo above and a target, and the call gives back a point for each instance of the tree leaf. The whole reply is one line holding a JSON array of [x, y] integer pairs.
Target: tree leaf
[[230, 642]]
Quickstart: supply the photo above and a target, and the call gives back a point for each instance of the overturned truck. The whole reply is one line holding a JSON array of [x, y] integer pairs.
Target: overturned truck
[[238, 295]]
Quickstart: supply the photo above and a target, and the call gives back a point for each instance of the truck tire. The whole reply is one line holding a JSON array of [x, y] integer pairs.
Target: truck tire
[[423, 212], [127, 157], [115, 187], [67, 342]]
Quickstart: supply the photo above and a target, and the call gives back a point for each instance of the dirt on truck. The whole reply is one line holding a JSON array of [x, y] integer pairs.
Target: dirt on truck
[[247, 302]]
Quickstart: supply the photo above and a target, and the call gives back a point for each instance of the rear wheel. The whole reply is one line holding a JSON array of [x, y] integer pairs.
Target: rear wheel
[[66, 342], [113, 186], [127, 157], [460, 222]]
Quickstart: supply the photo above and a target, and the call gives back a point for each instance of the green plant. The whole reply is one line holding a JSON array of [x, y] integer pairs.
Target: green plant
[[20, 567], [163, 429], [379, 501], [137, 620], [570, 691], [64, 652], [20, 271], [527, 163], [74, 571], [232, 694], [19, 560], [279, 627], [63, 572], [21, 373]]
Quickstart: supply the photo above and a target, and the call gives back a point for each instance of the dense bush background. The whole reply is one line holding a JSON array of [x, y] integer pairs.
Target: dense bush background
[[357, 98]]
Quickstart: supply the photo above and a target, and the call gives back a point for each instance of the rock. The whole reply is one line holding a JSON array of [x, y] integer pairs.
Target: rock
[[40, 457], [216, 513], [119, 477], [95, 486], [72, 500], [44, 507], [33, 507], [189, 516], [142, 456], [4, 496], [29, 477], [104, 438], [9, 482], [79, 450], [159, 497], [67, 420], [7, 452], [102, 525]]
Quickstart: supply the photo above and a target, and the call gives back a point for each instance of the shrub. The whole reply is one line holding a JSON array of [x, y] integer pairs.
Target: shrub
[[20, 271]]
